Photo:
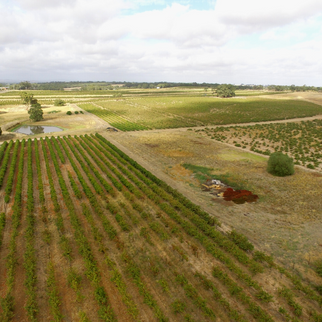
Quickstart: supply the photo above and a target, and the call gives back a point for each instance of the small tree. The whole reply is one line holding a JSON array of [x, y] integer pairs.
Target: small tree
[[35, 112], [280, 165], [28, 99], [59, 102], [225, 90]]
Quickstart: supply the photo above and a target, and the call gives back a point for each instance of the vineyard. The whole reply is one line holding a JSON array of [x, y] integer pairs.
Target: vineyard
[[139, 113], [302, 141], [88, 234]]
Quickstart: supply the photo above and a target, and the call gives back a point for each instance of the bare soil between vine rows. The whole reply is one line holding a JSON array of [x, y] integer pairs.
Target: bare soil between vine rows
[[286, 221]]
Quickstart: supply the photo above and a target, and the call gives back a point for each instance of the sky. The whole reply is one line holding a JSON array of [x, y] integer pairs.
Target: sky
[[213, 41]]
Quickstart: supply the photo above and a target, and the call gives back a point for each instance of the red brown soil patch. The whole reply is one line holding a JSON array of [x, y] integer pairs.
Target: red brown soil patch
[[239, 196]]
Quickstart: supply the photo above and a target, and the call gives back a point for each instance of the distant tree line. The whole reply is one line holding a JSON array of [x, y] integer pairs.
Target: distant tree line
[[92, 85]]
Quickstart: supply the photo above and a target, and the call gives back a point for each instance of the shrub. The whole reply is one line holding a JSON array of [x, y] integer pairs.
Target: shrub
[[280, 165], [76, 112], [59, 102], [69, 113]]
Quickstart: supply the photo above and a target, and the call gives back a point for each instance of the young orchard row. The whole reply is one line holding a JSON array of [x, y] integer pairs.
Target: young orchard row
[[302, 141], [112, 118]]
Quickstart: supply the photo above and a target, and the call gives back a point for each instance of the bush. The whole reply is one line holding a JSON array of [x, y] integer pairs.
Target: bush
[[280, 165], [69, 113], [76, 112], [59, 102]]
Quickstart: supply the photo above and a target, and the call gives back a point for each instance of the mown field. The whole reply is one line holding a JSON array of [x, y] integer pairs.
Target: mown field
[[87, 234]]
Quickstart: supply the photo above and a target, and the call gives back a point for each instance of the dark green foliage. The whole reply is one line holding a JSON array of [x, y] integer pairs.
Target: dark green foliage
[[319, 289], [69, 113], [241, 241], [178, 306], [193, 294], [263, 296], [7, 305], [135, 273], [280, 165], [262, 257], [4, 164], [288, 295], [3, 148], [35, 112], [59, 102], [12, 170], [225, 90], [2, 225], [52, 292], [27, 98]]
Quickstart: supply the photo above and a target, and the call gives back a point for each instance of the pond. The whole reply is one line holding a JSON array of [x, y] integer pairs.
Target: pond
[[37, 129]]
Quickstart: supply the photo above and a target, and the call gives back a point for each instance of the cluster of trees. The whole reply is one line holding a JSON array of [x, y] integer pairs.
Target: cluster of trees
[[225, 90], [35, 111], [102, 85]]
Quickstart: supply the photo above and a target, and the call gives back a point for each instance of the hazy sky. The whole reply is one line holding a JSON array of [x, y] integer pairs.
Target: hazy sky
[[219, 41]]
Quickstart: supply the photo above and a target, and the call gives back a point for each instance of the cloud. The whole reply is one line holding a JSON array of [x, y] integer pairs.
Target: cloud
[[260, 15], [234, 41]]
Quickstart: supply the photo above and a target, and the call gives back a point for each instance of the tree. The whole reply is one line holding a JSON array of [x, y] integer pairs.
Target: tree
[[225, 90], [28, 99], [25, 85], [280, 165], [59, 102], [35, 112]]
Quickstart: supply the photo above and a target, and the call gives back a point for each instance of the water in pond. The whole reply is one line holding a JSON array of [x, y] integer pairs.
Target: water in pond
[[37, 129]]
